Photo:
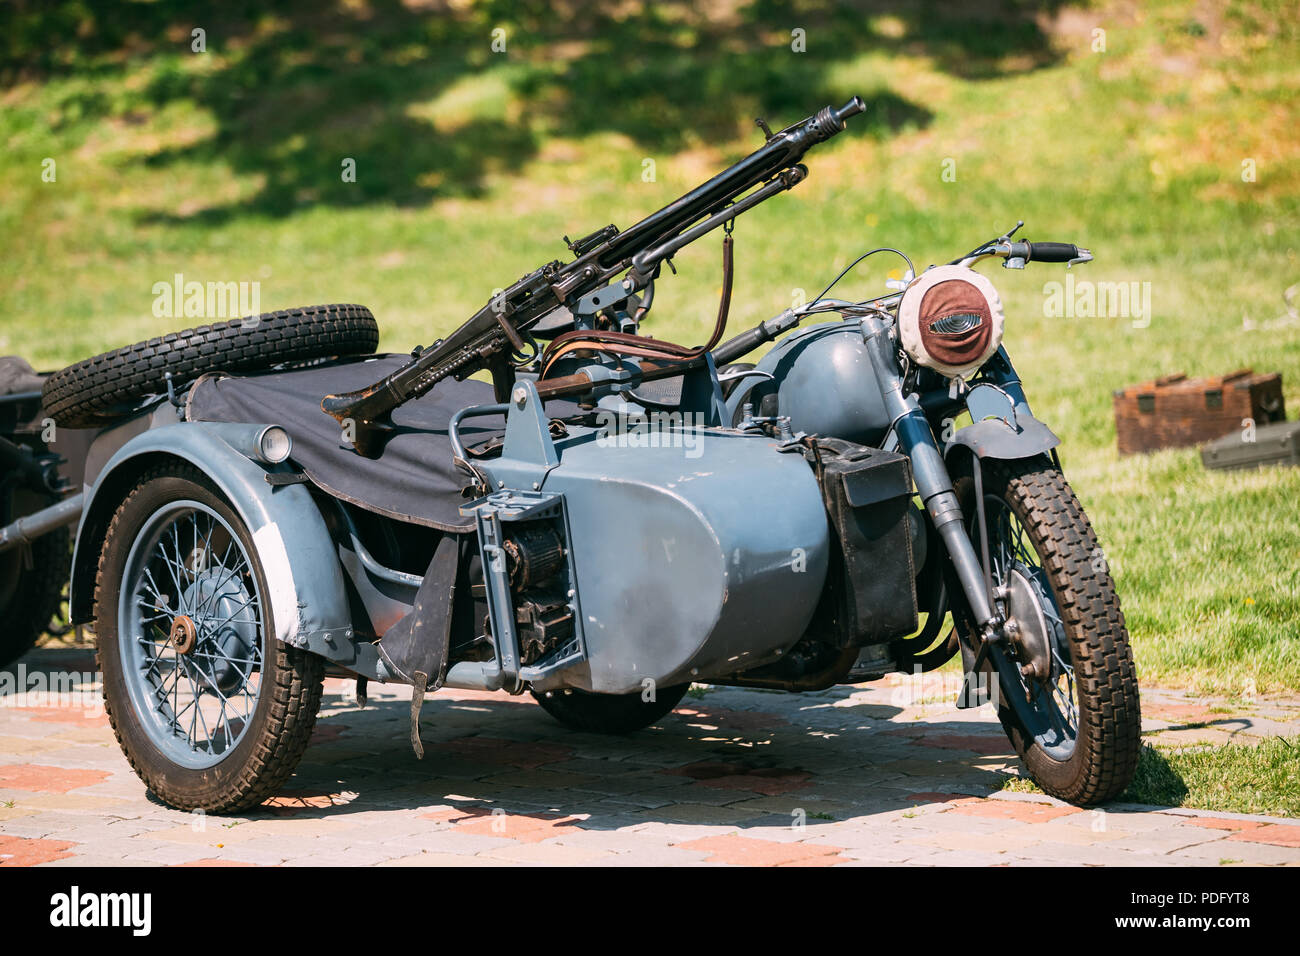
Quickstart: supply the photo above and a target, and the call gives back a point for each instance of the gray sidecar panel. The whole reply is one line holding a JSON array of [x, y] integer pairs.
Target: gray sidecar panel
[[413, 480]]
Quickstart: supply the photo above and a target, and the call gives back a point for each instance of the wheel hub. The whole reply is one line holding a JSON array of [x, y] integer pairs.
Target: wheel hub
[[226, 631], [1027, 626], [184, 635]]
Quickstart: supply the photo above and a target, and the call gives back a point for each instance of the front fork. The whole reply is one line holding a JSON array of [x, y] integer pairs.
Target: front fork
[[933, 483]]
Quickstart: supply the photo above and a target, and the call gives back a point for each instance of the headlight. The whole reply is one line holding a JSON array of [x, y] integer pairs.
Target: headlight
[[950, 320], [274, 445]]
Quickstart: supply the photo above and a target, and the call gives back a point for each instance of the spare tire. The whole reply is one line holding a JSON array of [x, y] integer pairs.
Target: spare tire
[[103, 389]]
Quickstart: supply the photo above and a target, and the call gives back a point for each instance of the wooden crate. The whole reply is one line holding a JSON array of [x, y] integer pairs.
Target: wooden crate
[[1276, 444], [1176, 411]]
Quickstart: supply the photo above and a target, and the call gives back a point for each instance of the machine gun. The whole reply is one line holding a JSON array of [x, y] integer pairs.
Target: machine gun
[[496, 337]]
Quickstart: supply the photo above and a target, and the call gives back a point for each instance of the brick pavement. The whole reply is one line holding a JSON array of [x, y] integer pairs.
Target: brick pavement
[[886, 773]]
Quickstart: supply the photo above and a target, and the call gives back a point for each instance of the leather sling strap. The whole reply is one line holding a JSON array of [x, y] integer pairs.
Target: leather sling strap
[[643, 346]]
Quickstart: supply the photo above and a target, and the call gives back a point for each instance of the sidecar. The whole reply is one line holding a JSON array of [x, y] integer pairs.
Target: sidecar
[[234, 549]]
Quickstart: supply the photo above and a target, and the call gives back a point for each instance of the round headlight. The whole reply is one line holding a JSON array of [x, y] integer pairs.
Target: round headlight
[[274, 445], [950, 319]]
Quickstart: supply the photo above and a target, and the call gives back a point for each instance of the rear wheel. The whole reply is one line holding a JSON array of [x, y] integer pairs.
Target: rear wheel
[[609, 713], [1068, 689], [31, 587], [211, 710]]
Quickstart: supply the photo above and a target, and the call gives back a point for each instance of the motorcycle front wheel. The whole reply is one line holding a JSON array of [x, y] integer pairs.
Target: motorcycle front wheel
[[1067, 688]]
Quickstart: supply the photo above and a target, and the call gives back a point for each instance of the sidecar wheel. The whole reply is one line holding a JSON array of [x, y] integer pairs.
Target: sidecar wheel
[[30, 595], [211, 710], [609, 713], [1078, 730]]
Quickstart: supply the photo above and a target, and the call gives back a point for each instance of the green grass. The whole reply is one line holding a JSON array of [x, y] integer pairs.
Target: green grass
[[1263, 779], [1226, 778], [471, 165]]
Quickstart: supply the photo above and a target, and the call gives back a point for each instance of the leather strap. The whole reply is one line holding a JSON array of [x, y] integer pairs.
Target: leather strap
[[644, 346]]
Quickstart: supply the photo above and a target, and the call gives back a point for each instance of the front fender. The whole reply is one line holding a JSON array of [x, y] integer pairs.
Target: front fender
[[308, 599], [994, 438]]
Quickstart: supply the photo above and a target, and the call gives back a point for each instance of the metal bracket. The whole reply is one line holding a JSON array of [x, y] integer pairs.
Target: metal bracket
[[491, 514], [592, 304]]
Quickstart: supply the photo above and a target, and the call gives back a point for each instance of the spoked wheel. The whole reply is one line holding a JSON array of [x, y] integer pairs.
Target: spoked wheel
[[609, 713], [1068, 695], [211, 710]]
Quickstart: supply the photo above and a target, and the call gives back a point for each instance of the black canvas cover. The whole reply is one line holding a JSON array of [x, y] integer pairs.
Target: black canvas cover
[[412, 480], [17, 375], [18, 378]]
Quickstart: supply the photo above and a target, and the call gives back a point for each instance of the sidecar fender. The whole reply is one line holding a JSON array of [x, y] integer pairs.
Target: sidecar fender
[[305, 583], [994, 438]]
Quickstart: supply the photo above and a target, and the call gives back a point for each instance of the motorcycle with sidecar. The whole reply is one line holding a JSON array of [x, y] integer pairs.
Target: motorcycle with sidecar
[[612, 518]]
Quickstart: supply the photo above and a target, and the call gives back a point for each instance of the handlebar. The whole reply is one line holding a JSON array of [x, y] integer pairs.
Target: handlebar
[[1016, 254], [1054, 252], [1019, 253]]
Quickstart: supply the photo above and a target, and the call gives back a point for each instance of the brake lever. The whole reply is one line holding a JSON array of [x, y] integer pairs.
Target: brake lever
[[1011, 232]]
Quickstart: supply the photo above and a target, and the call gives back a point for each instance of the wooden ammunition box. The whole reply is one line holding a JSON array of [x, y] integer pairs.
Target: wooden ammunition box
[[1177, 411], [1277, 444]]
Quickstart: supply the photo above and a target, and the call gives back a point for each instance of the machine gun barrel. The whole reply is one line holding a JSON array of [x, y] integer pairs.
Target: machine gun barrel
[[784, 149], [495, 332]]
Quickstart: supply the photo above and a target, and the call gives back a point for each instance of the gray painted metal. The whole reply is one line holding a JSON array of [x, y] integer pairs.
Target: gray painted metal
[[824, 382], [308, 601], [492, 513], [994, 438], [32, 526], [679, 578], [929, 472]]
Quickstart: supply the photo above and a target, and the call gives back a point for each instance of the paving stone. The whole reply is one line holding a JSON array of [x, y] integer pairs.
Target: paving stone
[[1021, 812], [29, 851], [994, 843], [551, 854], [701, 813], [441, 859], [1271, 833], [917, 786], [42, 778], [747, 851]]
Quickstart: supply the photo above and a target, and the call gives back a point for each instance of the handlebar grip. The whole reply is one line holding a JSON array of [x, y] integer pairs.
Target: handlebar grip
[[1052, 252]]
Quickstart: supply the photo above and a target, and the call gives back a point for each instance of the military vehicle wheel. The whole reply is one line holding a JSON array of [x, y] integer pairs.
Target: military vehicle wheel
[[212, 711], [31, 589], [609, 713], [1068, 689]]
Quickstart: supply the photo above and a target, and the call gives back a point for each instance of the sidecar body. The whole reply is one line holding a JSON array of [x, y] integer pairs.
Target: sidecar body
[[519, 545]]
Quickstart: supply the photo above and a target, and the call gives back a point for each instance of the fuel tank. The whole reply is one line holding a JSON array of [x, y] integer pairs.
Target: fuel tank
[[822, 379], [698, 552]]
